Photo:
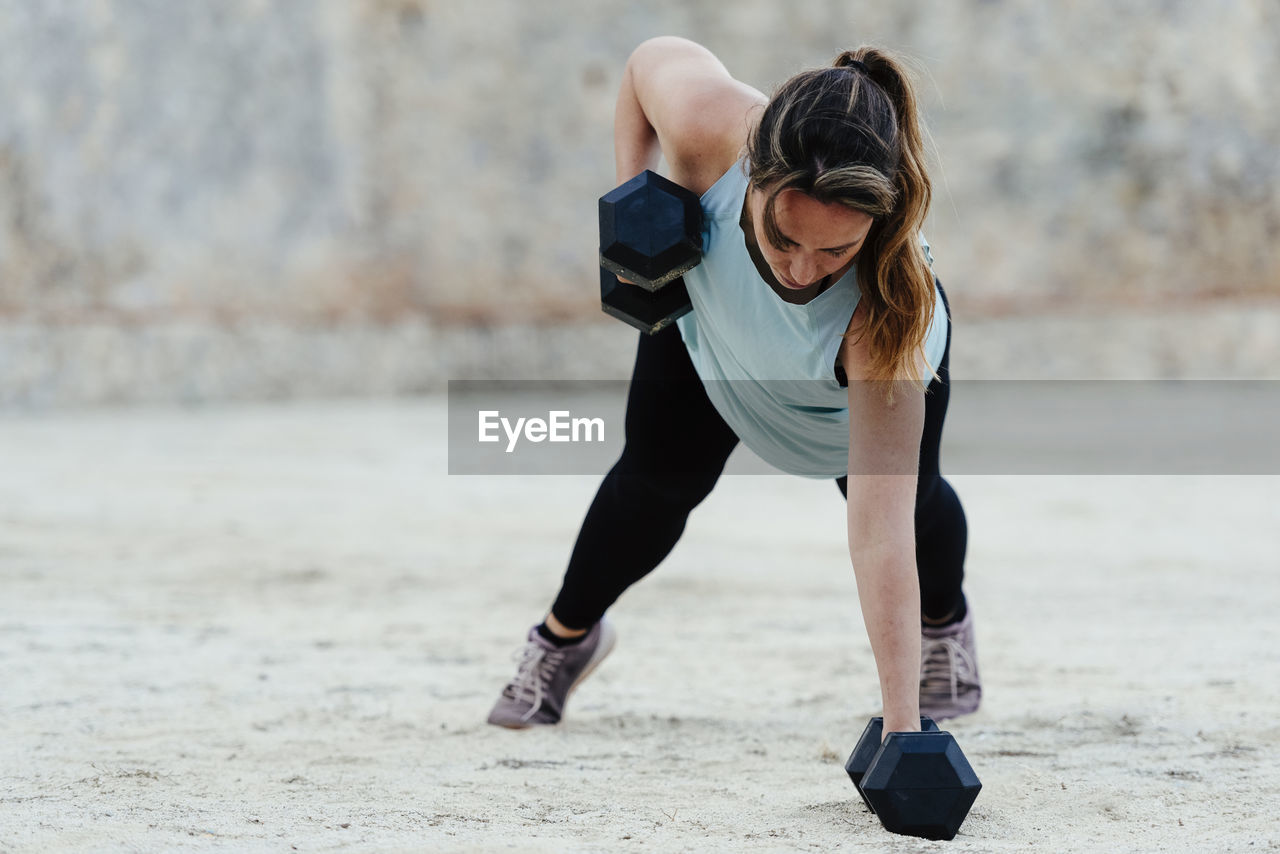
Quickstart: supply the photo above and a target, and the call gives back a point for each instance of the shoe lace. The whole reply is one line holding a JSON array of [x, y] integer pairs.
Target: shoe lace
[[944, 666], [533, 677]]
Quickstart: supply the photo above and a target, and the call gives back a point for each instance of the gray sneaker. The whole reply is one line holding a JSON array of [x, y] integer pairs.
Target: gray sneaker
[[949, 683], [547, 676]]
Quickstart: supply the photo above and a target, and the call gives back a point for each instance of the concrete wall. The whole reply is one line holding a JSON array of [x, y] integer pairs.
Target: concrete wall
[[179, 170]]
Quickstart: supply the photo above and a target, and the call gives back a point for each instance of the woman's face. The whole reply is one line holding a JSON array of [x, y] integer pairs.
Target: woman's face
[[822, 239]]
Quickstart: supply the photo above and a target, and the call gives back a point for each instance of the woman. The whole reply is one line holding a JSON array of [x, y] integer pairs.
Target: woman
[[819, 337]]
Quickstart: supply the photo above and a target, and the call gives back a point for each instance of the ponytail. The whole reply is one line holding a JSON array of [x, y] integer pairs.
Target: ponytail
[[902, 296]]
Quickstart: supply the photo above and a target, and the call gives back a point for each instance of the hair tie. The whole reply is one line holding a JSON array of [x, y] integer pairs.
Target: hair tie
[[858, 64]]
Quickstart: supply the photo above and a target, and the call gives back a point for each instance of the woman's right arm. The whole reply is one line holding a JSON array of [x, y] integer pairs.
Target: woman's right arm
[[679, 102]]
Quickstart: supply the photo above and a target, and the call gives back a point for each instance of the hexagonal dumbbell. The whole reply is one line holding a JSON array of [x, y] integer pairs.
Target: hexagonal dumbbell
[[868, 746], [918, 783], [651, 235], [650, 312]]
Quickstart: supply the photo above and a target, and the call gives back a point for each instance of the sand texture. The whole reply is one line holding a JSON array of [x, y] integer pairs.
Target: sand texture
[[280, 627]]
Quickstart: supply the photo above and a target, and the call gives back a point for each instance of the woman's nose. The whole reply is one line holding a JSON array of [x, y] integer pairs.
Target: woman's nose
[[803, 270]]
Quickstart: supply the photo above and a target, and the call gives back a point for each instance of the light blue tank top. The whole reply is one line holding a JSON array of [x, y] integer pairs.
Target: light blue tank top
[[768, 365]]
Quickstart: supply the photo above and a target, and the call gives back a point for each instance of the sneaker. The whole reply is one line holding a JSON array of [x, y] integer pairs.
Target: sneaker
[[547, 676], [949, 683]]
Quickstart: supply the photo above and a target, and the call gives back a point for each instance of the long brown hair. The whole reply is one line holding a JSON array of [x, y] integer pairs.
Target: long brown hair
[[851, 134]]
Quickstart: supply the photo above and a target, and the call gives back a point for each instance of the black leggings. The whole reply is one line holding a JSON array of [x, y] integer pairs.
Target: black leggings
[[676, 447]]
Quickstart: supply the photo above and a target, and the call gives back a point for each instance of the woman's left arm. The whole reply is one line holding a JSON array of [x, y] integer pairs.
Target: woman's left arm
[[884, 453]]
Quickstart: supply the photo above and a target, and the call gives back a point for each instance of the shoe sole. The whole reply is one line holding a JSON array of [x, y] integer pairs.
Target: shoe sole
[[608, 639]]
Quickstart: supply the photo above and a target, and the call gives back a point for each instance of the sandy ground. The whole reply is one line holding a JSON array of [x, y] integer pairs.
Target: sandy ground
[[281, 627]]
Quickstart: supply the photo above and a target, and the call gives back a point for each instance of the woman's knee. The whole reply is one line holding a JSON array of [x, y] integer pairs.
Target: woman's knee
[[663, 488]]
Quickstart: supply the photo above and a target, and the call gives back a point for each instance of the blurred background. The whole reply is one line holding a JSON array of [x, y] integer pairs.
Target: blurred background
[[259, 199]]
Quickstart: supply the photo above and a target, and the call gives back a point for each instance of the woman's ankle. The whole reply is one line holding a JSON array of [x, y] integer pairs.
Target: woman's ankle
[[560, 630]]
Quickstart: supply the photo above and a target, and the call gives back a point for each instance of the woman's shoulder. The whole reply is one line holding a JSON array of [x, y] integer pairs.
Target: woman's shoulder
[[701, 113], [854, 355]]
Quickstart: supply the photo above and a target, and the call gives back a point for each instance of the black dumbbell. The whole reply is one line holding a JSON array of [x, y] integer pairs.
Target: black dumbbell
[[917, 783], [650, 234], [868, 746]]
